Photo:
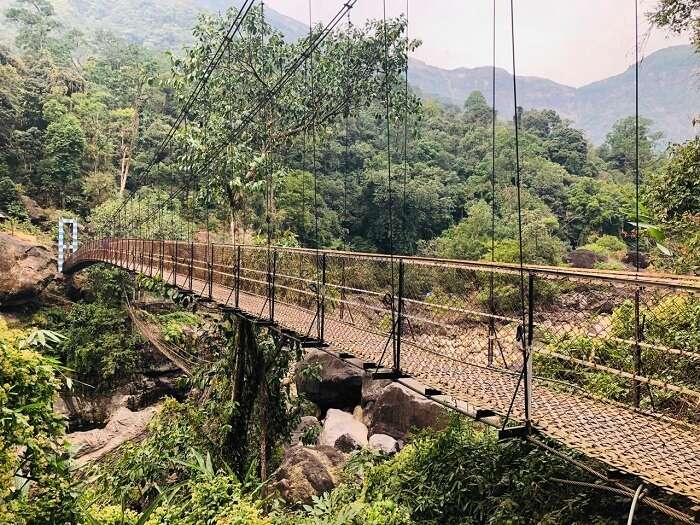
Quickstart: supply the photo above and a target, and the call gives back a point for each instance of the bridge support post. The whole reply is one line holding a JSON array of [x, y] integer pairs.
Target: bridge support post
[[636, 385], [399, 321], [527, 345], [322, 308], [210, 267], [150, 260], [238, 274], [175, 265], [273, 289], [191, 268]]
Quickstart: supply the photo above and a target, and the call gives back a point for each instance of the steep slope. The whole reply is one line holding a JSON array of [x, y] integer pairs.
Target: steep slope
[[161, 24]]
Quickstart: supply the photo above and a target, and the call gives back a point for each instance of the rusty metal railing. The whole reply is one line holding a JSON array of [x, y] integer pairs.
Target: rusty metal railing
[[621, 336]]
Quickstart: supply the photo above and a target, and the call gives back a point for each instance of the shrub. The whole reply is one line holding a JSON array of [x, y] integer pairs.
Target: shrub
[[218, 500], [99, 346], [31, 434], [10, 200], [158, 461], [606, 246]]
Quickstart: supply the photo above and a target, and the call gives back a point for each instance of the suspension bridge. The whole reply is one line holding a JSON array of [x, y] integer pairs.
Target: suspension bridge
[[521, 359]]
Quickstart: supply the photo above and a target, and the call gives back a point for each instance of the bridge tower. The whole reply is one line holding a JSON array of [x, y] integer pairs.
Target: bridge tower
[[64, 243]]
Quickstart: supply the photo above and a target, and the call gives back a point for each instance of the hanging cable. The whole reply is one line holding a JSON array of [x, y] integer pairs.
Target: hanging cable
[[636, 129], [492, 306], [199, 86], [346, 156], [524, 337], [315, 176], [279, 84], [389, 188], [405, 137]]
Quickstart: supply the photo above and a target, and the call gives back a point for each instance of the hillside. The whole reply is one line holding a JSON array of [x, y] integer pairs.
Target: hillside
[[669, 91], [160, 24]]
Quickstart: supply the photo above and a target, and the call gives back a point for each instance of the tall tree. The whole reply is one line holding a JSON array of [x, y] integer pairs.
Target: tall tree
[[619, 148], [348, 70]]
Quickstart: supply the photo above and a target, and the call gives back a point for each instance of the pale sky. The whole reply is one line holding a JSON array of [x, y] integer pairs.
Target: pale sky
[[573, 42]]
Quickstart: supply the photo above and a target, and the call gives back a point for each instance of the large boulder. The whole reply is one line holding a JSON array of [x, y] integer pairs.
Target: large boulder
[[372, 388], [398, 409], [37, 214], [307, 472], [328, 381], [124, 425], [342, 431], [582, 258], [631, 259], [386, 444], [25, 269]]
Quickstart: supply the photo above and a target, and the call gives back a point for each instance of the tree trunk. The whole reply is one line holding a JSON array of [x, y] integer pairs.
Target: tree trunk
[[128, 146]]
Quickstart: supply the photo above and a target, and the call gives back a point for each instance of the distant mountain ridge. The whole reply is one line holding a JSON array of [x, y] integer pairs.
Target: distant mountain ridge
[[669, 93], [669, 85]]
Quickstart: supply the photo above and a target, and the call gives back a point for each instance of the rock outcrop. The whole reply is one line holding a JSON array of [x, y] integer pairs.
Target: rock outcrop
[[342, 431], [398, 409], [25, 269], [122, 426], [328, 382], [582, 258], [37, 214], [308, 471], [386, 444]]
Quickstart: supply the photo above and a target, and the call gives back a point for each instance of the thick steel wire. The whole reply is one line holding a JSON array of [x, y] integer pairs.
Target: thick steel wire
[[301, 59], [204, 79]]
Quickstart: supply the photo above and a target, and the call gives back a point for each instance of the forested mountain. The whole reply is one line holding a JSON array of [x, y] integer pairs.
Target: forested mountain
[[668, 93], [160, 24], [668, 78]]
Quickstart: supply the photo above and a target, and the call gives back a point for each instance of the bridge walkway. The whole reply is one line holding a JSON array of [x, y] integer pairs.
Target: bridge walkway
[[662, 452]]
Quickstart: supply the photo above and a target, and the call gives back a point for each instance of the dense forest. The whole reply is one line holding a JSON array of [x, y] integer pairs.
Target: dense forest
[[82, 121]]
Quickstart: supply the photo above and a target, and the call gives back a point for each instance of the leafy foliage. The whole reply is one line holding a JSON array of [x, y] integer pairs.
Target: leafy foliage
[[35, 484]]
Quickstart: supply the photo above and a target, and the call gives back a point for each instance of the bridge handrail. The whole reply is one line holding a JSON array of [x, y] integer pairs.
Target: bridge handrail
[[678, 281]]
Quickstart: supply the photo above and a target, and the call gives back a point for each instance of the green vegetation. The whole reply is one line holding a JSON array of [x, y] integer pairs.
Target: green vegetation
[[459, 475], [98, 344], [35, 482], [80, 135]]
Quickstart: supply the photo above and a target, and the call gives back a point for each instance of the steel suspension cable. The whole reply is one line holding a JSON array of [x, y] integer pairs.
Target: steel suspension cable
[[636, 129], [203, 80], [312, 45], [315, 176], [492, 308], [405, 137], [389, 188], [525, 373]]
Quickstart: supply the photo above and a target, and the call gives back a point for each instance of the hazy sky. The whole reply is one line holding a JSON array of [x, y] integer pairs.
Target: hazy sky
[[571, 41]]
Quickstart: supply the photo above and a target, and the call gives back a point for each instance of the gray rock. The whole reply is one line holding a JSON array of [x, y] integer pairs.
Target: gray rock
[[398, 409], [122, 426], [307, 472], [342, 431], [371, 388], [582, 258], [328, 381], [25, 269], [386, 444], [305, 424]]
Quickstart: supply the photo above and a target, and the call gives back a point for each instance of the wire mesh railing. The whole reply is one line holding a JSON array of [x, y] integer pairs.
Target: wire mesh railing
[[623, 337]]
